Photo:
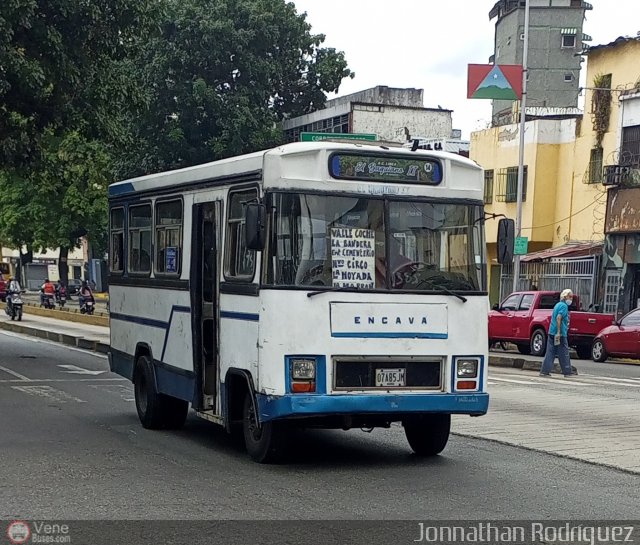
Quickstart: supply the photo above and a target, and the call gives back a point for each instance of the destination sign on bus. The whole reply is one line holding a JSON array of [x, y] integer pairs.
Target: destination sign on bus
[[416, 170]]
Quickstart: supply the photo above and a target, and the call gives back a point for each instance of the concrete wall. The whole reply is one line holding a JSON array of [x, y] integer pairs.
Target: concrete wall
[[389, 122], [383, 95], [548, 61]]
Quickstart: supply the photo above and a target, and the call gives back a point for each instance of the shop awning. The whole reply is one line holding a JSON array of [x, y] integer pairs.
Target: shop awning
[[571, 249]]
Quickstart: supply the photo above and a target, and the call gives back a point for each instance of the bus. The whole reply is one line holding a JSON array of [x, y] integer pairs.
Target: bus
[[314, 285]]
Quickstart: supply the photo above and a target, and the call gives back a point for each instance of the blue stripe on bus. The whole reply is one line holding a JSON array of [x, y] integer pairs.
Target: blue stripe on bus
[[272, 407], [356, 335], [158, 324], [121, 189], [245, 316]]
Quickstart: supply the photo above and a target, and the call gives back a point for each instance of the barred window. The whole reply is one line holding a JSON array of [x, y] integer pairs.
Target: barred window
[[595, 166], [488, 186], [507, 185]]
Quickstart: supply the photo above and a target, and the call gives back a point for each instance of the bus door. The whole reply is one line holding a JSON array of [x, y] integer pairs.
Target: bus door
[[204, 290]]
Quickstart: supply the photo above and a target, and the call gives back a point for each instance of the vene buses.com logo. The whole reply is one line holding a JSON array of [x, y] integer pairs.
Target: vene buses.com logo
[[18, 532]]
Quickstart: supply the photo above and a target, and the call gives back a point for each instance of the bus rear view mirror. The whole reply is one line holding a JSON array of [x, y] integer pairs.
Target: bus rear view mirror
[[256, 222], [506, 239]]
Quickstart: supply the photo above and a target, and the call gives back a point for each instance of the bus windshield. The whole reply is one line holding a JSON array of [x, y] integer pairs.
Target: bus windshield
[[374, 244]]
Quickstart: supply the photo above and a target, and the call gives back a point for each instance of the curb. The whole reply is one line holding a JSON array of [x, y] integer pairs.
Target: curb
[[62, 338], [521, 363]]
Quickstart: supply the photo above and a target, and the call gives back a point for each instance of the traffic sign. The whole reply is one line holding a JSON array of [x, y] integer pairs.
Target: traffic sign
[[521, 245], [319, 136]]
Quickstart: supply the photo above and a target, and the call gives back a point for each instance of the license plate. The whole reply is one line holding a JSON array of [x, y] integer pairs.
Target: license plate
[[391, 377]]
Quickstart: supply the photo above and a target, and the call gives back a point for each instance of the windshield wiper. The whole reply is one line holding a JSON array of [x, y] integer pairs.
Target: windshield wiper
[[443, 289], [318, 292]]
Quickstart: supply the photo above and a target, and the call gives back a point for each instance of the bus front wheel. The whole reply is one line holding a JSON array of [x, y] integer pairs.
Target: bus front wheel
[[428, 434], [266, 444], [155, 410]]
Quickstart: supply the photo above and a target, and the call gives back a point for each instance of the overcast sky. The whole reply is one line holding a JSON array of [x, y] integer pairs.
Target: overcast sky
[[427, 44]]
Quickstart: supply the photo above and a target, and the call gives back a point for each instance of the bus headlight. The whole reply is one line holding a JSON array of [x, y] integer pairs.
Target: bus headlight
[[303, 369], [466, 368]]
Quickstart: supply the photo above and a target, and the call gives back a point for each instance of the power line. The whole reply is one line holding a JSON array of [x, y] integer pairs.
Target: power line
[[564, 219]]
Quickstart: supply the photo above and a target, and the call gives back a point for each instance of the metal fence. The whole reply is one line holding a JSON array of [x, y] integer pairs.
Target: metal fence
[[577, 274]]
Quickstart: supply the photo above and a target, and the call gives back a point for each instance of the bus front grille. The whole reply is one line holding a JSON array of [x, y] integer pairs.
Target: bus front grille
[[360, 373]]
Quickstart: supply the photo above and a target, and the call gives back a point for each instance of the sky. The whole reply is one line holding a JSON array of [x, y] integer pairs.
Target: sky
[[427, 44]]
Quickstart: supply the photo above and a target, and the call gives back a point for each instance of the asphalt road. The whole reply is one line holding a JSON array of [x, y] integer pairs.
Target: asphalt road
[[72, 447]]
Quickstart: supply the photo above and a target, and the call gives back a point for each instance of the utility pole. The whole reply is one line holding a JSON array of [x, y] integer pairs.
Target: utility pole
[[523, 117]]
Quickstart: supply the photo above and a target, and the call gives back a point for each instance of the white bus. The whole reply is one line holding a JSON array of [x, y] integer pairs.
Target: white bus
[[334, 285]]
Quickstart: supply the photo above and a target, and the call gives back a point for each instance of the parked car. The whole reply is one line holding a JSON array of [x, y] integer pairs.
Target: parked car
[[73, 286], [3, 289], [621, 339], [523, 319]]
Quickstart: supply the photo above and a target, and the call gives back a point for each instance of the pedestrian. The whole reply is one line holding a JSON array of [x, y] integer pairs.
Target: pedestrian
[[557, 343]]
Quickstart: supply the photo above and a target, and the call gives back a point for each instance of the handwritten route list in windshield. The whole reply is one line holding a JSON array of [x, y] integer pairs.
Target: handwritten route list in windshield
[[353, 257]]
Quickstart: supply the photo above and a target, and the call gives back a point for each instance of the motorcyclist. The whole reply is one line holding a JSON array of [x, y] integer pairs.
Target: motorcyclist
[[61, 291], [85, 293], [46, 289], [13, 287]]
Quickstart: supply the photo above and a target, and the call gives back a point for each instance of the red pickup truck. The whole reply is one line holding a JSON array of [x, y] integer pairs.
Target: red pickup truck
[[523, 319]]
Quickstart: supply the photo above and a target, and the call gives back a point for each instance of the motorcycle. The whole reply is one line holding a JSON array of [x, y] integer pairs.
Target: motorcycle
[[48, 301], [61, 298], [14, 310], [88, 306]]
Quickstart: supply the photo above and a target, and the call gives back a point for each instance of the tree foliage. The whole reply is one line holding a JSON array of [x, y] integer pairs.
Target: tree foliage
[[92, 91], [220, 77]]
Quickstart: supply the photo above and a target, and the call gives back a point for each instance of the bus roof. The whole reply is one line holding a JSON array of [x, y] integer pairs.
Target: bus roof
[[251, 165]]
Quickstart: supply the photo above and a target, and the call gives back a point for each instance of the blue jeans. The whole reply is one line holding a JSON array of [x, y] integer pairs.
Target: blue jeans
[[561, 351]]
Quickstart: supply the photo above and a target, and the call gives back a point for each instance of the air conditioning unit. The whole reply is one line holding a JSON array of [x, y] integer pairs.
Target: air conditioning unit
[[615, 174]]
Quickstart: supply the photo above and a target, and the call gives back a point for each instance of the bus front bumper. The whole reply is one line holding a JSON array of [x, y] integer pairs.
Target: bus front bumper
[[307, 405]]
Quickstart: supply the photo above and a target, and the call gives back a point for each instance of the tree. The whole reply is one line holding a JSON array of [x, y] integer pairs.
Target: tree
[[221, 76], [63, 91]]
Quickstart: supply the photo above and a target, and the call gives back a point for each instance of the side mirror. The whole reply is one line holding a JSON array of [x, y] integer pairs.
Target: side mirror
[[256, 225], [495, 306], [506, 238]]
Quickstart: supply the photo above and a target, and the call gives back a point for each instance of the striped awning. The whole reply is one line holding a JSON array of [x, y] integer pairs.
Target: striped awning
[[586, 38], [568, 31]]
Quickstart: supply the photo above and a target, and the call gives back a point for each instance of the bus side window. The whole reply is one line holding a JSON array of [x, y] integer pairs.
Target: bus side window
[[240, 262], [168, 225], [140, 239], [116, 253]]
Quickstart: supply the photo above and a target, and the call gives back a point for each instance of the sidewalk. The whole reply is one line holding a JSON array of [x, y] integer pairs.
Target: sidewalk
[[89, 337]]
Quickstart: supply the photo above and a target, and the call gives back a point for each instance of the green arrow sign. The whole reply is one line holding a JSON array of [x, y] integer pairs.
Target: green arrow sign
[[319, 136]]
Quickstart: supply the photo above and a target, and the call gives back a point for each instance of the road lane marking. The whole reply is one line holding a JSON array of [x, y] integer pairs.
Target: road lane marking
[[75, 370], [14, 374], [49, 393], [124, 392]]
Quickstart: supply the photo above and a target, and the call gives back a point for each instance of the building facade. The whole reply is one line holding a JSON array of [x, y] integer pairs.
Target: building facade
[[555, 42], [392, 114], [565, 198], [621, 174]]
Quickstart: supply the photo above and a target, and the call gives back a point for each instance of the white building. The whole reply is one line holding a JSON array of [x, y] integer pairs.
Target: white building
[[392, 114]]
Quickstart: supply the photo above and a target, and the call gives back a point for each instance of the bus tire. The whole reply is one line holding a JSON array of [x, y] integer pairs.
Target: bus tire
[[156, 411], [428, 434], [266, 445]]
